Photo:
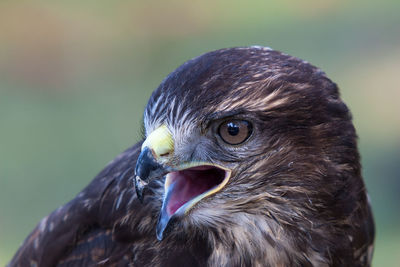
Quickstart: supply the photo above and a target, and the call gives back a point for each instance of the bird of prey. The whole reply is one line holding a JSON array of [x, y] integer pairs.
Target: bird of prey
[[249, 158]]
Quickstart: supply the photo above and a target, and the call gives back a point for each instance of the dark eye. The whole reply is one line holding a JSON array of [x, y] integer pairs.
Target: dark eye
[[235, 132]]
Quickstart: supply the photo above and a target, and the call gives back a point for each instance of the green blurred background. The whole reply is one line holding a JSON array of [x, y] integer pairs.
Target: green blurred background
[[76, 75]]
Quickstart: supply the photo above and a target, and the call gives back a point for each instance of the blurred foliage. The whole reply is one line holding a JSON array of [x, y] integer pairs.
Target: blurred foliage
[[75, 77]]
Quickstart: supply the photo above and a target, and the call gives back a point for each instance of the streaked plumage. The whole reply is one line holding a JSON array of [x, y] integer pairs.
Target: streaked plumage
[[292, 194]]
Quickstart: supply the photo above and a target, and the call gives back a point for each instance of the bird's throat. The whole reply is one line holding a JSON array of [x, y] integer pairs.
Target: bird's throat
[[185, 188]]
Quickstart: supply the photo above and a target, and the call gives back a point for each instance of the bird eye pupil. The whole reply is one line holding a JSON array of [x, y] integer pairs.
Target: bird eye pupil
[[235, 132], [233, 129]]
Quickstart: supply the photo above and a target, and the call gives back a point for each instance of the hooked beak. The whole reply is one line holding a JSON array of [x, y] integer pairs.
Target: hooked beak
[[151, 162], [185, 184]]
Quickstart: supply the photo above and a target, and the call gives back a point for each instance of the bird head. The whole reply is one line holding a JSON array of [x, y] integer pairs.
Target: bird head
[[247, 132]]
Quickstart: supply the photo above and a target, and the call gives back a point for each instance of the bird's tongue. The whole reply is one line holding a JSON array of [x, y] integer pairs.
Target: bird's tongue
[[182, 187], [190, 183]]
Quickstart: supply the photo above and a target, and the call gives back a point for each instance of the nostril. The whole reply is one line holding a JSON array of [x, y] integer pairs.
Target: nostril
[[164, 155]]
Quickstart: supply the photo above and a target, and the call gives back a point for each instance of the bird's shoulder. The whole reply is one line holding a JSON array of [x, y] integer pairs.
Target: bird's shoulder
[[90, 220]]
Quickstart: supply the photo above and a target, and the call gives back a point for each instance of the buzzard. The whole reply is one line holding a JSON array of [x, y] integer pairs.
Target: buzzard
[[249, 159]]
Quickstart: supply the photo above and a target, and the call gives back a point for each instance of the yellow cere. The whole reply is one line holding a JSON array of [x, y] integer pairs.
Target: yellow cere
[[160, 141]]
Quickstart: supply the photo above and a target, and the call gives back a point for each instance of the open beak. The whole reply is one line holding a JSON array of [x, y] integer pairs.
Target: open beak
[[185, 183]]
